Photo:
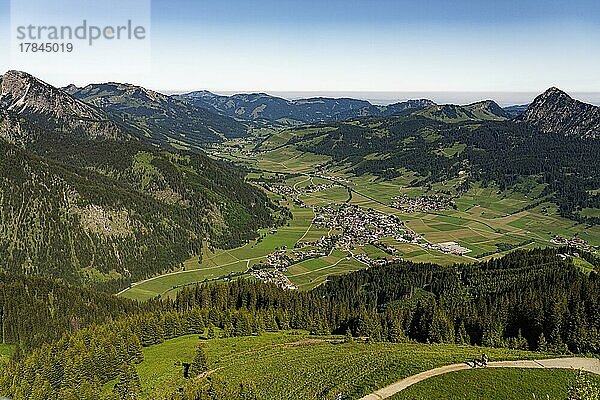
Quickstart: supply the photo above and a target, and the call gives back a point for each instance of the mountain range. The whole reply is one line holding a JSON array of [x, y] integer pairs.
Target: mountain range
[[97, 184], [258, 106], [107, 185], [161, 118], [88, 199]]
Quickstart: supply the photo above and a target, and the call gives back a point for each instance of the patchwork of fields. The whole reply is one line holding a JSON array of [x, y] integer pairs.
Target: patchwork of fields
[[484, 220]]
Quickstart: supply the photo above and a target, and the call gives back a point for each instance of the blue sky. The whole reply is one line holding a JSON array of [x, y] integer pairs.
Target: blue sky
[[352, 45]]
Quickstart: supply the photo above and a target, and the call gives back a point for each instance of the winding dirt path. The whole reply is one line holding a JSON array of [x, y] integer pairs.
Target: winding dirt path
[[587, 364]]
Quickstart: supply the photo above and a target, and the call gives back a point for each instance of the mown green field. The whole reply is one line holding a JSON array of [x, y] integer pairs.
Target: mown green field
[[311, 273], [293, 365], [495, 384], [219, 264]]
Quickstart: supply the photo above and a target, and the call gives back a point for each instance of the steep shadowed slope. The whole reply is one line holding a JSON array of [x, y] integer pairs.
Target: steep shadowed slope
[[554, 111]]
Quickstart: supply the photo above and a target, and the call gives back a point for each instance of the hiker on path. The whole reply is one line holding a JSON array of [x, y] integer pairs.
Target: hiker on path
[[484, 359]]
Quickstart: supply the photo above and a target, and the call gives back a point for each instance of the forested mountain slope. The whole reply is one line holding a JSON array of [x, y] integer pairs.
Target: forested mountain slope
[[450, 146], [36, 310], [520, 296], [159, 117], [77, 224], [102, 206], [526, 300]]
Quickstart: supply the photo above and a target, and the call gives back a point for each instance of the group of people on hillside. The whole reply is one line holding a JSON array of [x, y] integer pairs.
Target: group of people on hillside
[[481, 363]]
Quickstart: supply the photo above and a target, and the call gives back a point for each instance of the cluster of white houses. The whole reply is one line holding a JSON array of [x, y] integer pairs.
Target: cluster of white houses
[[273, 276], [358, 225], [576, 242], [291, 191], [422, 204]]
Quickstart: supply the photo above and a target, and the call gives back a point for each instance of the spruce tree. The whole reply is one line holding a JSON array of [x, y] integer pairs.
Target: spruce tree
[[128, 386], [542, 345], [348, 337], [211, 332], [199, 365]]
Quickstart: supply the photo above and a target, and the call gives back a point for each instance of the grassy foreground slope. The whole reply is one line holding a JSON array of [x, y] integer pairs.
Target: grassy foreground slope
[[293, 365], [495, 384]]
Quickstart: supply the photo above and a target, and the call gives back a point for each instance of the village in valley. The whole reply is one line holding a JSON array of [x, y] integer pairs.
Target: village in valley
[[358, 233], [332, 222], [423, 203], [574, 242], [349, 227]]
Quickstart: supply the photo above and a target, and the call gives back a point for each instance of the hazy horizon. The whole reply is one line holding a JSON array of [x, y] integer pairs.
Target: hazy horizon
[[503, 99], [332, 46]]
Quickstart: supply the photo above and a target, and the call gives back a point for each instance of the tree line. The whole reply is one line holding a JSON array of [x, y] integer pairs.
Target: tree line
[[529, 299]]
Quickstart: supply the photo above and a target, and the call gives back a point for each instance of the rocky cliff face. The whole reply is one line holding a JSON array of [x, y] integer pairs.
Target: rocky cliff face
[[45, 107], [554, 111]]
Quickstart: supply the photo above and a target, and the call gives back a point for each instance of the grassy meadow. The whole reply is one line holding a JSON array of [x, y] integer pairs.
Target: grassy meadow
[[495, 384], [294, 365]]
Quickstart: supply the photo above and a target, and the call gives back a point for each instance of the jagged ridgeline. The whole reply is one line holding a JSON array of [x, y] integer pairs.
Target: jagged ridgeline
[[84, 199]]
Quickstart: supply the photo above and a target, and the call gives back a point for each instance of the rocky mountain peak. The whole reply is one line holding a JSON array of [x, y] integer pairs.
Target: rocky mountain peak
[[554, 111], [552, 96], [554, 91], [53, 109], [23, 93], [17, 87]]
